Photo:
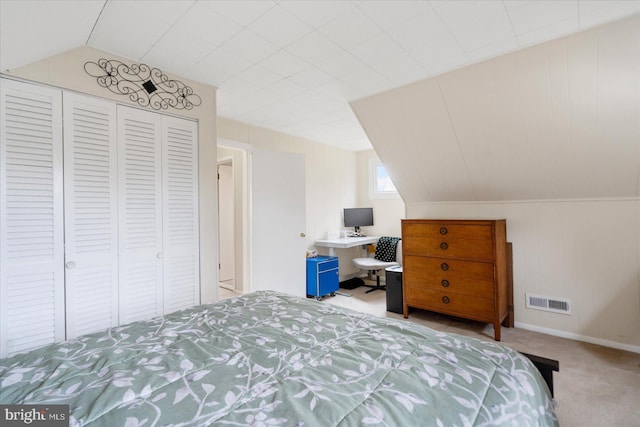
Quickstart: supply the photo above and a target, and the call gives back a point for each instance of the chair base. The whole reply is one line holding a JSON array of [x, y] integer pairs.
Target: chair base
[[375, 287]]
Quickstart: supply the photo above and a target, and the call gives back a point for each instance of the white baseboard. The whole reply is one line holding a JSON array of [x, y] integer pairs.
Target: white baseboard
[[578, 337]]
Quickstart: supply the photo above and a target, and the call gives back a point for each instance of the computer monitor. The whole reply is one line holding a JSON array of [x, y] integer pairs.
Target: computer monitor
[[358, 217]]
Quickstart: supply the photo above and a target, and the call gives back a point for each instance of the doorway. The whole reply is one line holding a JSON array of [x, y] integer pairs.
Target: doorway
[[269, 219], [226, 225]]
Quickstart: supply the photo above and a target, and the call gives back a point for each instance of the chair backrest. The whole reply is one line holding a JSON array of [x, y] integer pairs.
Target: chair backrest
[[387, 249]]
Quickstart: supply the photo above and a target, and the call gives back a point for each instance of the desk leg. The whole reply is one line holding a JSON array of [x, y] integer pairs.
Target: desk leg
[[332, 252]]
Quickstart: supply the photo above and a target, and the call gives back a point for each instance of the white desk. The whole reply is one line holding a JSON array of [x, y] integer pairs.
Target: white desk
[[346, 242]]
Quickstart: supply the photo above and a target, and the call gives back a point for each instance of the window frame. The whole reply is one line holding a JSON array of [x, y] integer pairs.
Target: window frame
[[374, 193]]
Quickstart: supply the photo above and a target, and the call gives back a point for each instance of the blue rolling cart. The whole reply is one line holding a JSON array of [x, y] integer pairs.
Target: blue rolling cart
[[322, 276]]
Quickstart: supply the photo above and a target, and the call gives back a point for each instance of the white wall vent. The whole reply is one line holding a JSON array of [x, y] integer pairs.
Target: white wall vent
[[556, 305]]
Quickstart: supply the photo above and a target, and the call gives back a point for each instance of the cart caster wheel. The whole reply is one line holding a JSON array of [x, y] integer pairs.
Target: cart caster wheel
[[333, 294], [318, 298]]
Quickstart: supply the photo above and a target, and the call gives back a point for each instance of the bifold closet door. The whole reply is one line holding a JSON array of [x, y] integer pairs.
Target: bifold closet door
[[158, 191], [180, 213], [91, 215], [140, 206], [31, 217]]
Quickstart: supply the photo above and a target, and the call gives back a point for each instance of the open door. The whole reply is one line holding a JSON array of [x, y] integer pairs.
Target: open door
[[278, 219], [226, 225]]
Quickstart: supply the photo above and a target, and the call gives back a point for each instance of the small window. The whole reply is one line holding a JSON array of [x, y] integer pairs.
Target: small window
[[380, 184]]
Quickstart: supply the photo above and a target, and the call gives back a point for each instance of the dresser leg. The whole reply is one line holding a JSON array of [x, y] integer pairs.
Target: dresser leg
[[496, 331], [405, 311]]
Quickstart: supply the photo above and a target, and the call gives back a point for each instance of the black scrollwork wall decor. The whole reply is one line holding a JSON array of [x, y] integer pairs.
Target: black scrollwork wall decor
[[143, 85]]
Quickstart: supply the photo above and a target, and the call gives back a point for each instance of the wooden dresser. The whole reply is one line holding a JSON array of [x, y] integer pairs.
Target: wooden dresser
[[456, 267]]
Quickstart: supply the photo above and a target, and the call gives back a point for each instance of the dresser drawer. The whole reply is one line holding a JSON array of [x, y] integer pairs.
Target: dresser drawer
[[446, 247], [450, 303], [470, 278], [448, 230]]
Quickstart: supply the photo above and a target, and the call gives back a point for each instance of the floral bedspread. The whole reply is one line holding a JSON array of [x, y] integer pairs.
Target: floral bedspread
[[269, 359]]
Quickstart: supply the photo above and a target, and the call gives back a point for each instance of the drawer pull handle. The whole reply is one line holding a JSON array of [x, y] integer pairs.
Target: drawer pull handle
[[445, 283], [443, 230], [444, 246], [444, 266], [446, 300]]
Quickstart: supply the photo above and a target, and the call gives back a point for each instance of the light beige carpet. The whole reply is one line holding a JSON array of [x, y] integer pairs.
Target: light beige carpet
[[596, 386]]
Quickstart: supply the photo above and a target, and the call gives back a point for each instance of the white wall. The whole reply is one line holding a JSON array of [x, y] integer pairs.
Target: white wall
[[583, 250], [67, 71]]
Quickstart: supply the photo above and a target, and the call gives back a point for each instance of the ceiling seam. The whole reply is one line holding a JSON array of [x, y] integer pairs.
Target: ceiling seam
[[579, 23], [168, 30], [95, 24], [435, 12], [554, 124], [243, 28], [455, 135], [395, 42], [570, 111], [515, 34]]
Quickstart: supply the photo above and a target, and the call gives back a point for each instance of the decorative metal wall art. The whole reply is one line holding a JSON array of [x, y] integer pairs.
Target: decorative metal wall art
[[143, 85]]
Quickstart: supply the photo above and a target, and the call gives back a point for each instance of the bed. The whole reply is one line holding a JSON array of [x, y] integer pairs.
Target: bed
[[270, 359]]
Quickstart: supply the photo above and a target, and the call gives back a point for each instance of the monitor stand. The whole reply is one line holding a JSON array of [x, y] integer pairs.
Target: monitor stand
[[357, 233]]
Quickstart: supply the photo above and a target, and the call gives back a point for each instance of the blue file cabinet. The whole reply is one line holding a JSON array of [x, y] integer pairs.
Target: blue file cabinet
[[322, 276]]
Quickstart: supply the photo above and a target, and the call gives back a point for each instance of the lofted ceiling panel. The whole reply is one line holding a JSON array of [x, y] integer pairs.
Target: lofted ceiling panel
[[33, 30], [482, 108], [292, 65], [560, 120]]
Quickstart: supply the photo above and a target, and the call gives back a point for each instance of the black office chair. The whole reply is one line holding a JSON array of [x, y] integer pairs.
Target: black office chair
[[388, 254]]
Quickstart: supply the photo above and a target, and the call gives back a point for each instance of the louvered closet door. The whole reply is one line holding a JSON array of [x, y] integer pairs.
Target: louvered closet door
[[140, 207], [180, 224], [31, 220], [91, 215]]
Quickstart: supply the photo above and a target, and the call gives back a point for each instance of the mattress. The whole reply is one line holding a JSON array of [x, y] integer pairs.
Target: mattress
[[273, 359]]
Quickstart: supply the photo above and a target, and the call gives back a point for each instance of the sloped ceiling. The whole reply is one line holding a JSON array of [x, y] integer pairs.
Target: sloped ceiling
[[291, 65], [560, 120]]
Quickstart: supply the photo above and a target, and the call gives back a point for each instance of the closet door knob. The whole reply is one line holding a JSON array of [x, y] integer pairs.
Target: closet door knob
[[70, 265]]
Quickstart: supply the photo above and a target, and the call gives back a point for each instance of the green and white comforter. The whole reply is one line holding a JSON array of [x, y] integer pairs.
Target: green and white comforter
[[268, 359]]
